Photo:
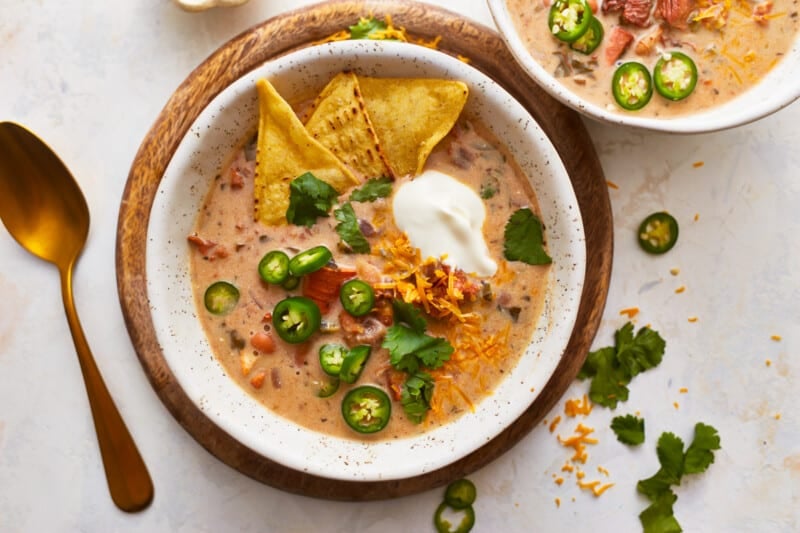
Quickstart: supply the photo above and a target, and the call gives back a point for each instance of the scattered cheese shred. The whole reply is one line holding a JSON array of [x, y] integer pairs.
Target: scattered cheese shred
[[768, 362], [629, 311], [777, 416], [698, 164], [558, 502], [559, 481], [776, 338], [612, 185], [568, 468], [676, 405], [692, 319], [680, 289], [554, 423], [696, 217], [675, 271], [683, 390], [578, 406]]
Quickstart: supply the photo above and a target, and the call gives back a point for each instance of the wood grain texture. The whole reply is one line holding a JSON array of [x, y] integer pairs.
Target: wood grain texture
[[278, 36]]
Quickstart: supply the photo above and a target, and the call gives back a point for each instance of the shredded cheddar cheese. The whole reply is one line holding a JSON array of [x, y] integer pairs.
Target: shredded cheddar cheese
[[630, 312], [692, 319], [554, 423], [680, 289], [683, 390], [698, 164], [776, 338], [575, 407], [612, 185]]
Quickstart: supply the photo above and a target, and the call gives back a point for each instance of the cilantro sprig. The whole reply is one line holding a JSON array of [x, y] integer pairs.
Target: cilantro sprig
[[309, 199], [612, 368], [372, 189], [349, 230], [524, 239], [411, 350], [629, 429], [659, 516], [366, 27]]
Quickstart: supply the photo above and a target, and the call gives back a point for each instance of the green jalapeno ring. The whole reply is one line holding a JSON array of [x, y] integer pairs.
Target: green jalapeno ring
[[366, 409], [331, 357], [460, 493], [296, 318], [632, 86], [357, 297], [274, 267], [309, 261], [443, 525], [328, 388], [568, 20], [221, 297], [658, 233], [675, 76], [591, 39], [353, 363]]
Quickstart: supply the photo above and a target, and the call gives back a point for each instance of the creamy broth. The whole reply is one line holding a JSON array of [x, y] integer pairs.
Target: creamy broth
[[734, 45], [228, 244]]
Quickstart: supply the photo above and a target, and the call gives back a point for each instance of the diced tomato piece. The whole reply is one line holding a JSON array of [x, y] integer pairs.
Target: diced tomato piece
[[323, 286], [618, 41]]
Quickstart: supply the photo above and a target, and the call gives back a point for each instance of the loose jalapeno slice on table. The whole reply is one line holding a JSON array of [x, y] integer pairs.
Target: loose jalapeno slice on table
[[221, 297], [632, 86], [331, 357], [357, 297], [445, 513], [354, 362], [675, 76], [296, 318], [309, 261], [658, 233], [366, 409], [569, 19], [591, 39], [460, 493], [274, 267]]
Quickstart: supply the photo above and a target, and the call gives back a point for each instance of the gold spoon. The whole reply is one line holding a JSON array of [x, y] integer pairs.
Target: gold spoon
[[45, 211]]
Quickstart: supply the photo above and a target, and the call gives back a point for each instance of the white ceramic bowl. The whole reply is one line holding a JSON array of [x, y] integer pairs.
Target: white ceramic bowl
[[217, 130], [778, 89]]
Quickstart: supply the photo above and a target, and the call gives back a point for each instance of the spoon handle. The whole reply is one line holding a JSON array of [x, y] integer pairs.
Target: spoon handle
[[127, 476]]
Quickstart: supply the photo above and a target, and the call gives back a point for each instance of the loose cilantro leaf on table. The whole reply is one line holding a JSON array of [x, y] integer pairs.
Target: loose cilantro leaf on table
[[365, 27], [309, 198], [372, 190], [629, 429], [524, 239], [700, 454], [349, 231], [659, 517], [613, 368], [416, 395]]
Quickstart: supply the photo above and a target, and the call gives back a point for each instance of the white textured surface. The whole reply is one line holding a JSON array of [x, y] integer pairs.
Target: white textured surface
[[91, 80]]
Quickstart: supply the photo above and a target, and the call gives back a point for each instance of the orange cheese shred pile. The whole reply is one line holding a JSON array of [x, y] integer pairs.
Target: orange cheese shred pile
[[575, 406]]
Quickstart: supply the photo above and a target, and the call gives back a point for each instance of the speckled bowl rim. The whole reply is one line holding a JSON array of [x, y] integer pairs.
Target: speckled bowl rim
[[200, 156], [777, 90]]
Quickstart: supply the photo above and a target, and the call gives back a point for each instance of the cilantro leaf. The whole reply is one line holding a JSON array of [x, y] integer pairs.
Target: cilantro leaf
[[349, 231], [670, 454], [410, 349], [416, 395], [372, 190], [612, 368], [629, 429], [409, 314], [365, 27], [309, 198], [700, 454], [659, 517], [524, 239]]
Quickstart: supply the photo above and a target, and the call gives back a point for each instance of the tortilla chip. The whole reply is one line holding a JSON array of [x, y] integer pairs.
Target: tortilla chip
[[411, 116], [341, 124], [285, 150]]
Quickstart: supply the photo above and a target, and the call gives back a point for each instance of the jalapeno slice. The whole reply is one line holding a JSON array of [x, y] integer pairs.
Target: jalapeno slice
[[569, 19], [632, 86], [366, 409], [353, 363], [309, 261], [675, 76], [443, 524], [328, 388], [296, 318], [658, 233], [591, 39], [331, 357], [460, 493], [274, 267], [357, 297], [221, 297]]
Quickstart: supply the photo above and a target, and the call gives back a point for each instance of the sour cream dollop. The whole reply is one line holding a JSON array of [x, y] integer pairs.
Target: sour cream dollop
[[442, 216]]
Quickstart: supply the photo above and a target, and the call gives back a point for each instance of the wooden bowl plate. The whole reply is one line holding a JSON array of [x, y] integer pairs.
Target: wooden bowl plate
[[277, 36]]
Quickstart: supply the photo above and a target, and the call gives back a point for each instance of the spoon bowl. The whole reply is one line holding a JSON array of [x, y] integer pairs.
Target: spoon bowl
[[44, 210]]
